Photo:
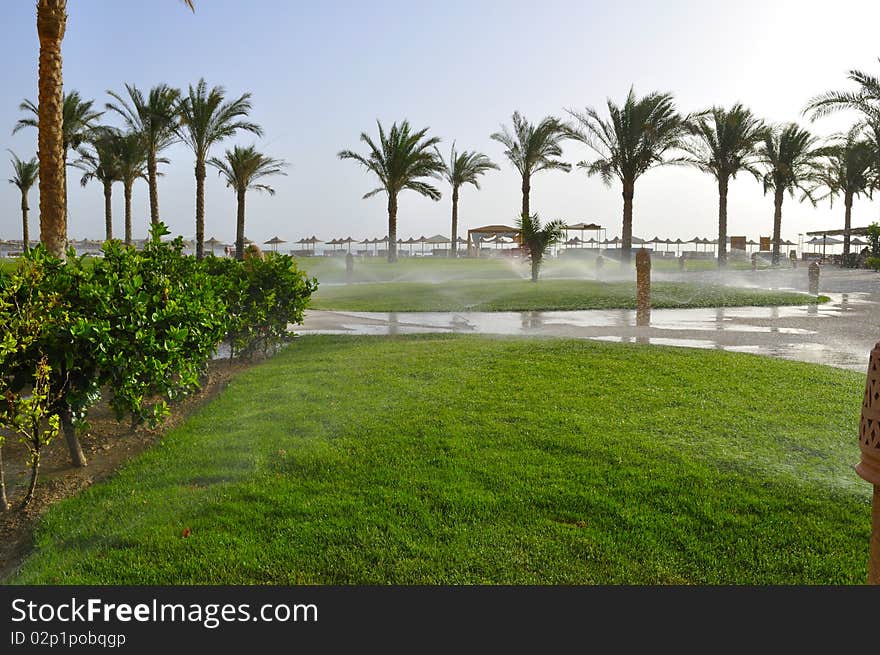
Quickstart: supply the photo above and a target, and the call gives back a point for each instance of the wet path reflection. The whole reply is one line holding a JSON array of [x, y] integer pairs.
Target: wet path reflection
[[839, 333]]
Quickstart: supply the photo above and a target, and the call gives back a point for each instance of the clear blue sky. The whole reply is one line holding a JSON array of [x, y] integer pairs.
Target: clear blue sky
[[321, 73]]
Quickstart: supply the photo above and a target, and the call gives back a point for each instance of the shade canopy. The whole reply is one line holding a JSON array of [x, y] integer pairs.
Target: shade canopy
[[275, 240], [828, 241], [438, 238]]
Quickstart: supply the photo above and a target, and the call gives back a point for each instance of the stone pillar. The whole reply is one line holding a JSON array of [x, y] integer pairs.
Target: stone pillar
[[754, 261], [813, 272], [869, 466], [793, 257], [349, 268], [600, 263], [682, 263], [643, 287]]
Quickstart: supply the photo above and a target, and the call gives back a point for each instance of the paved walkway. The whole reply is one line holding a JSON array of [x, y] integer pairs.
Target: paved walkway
[[839, 333]]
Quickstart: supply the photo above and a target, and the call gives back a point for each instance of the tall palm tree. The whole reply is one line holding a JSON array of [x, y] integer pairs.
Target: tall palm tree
[[401, 160], [206, 118], [51, 24], [724, 144], [537, 238], [241, 170], [101, 163], [849, 171], [532, 149], [463, 168], [792, 161], [154, 118], [131, 160], [637, 136], [24, 176]]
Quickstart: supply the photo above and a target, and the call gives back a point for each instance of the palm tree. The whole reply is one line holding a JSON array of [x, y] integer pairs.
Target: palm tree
[[725, 143], [400, 161], [77, 121], [101, 163], [537, 238], [24, 176], [638, 136], [242, 169], [154, 118], [792, 162], [131, 160], [848, 172], [463, 168], [206, 119], [532, 149]]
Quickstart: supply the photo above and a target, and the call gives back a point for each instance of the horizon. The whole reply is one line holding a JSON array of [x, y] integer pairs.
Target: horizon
[[338, 79]]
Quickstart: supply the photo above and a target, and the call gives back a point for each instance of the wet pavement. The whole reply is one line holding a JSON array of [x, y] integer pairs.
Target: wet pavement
[[838, 333]]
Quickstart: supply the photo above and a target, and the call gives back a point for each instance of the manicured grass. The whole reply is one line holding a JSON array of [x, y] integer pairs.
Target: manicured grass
[[548, 294], [441, 459]]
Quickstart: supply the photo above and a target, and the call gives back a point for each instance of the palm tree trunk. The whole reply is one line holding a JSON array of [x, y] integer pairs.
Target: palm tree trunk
[[153, 182], [627, 230], [77, 458], [536, 266], [25, 234], [777, 223], [392, 228], [126, 186], [200, 207], [722, 222], [51, 23], [108, 210], [239, 226], [526, 189], [847, 221], [453, 248]]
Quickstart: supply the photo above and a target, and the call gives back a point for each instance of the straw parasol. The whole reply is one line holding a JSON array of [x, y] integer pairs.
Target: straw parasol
[[274, 241]]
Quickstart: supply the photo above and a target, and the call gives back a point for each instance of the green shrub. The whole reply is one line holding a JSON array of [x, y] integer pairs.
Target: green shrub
[[157, 323], [263, 296]]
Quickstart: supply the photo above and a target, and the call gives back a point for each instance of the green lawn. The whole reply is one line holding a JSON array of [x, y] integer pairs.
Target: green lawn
[[441, 459], [548, 294]]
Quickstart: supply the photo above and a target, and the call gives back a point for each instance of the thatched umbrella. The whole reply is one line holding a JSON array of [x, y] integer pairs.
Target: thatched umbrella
[[274, 241]]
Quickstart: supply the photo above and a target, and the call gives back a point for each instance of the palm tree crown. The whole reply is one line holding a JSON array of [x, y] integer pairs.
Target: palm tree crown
[[466, 167], [636, 137], [792, 161], [724, 143], [153, 117], [242, 169], [537, 238], [532, 149], [865, 99], [24, 173], [77, 121], [206, 117], [401, 161]]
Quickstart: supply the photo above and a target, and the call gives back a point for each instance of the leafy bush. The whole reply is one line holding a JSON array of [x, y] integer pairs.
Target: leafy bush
[[263, 294], [157, 322]]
